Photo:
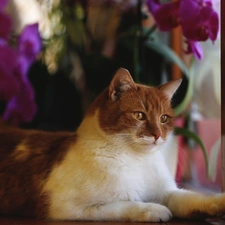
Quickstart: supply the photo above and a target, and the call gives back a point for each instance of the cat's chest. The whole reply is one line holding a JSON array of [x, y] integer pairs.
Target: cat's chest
[[134, 177], [104, 174]]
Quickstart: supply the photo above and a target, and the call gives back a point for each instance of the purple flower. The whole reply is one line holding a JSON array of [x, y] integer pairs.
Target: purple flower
[[3, 4], [200, 25], [193, 47], [197, 18], [15, 87], [5, 21], [166, 15], [5, 25], [21, 108], [8, 82], [29, 42]]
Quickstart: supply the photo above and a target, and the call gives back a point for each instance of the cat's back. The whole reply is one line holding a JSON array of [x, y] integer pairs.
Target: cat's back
[[26, 159], [22, 144]]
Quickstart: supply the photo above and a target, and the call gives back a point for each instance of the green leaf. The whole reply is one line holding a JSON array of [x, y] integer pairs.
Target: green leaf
[[182, 107], [168, 53], [189, 134], [214, 153]]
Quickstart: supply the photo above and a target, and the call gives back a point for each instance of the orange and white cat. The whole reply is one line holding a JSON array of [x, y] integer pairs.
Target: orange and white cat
[[111, 169]]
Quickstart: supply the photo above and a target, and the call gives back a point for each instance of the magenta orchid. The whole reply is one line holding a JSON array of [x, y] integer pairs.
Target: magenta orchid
[[29, 43], [5, 21], [15, 63], [201, 25], [8, 83], [166, 15], [194, 48], [21, 107], [197, 18]]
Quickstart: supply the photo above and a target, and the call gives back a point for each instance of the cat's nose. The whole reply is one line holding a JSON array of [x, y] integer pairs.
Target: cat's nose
[[156, 136]]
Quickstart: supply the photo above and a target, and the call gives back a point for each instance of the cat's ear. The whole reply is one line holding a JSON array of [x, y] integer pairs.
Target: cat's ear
[[121, 82], [170, 87]]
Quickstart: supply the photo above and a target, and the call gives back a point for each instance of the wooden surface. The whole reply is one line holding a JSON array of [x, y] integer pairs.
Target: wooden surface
[[27, 221]]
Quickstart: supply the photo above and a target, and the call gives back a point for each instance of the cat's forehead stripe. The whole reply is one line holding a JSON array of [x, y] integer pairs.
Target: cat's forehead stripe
[[151, 97]]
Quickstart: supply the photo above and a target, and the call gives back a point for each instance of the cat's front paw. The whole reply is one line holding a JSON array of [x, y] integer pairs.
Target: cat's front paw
[[213, 206], [217, 208], [156, 213]]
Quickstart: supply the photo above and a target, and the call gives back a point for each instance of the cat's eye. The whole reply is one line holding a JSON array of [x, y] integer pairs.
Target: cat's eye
[[163, 119], [139, 115]]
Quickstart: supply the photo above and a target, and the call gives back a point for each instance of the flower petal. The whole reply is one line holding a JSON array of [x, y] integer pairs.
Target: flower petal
[[194, 48], [166, 15], [8, 82], [200, 25], [5, 25], [153, 5], [21, 108], [29, 42], [3, 3], [213, 26]]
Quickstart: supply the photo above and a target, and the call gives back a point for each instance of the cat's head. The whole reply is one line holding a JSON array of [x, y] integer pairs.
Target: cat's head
[[137, 114]]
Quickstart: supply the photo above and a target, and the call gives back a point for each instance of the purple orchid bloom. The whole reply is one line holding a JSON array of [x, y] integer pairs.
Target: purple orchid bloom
[[200, 25], [193, 47], [29, 42], [166, 15], [21, 108], [3, 3], [5, 24], [8, 82], [5, 21], [15, 87], [197, 18]]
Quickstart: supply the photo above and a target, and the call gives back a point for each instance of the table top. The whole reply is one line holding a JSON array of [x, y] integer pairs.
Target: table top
[[29, 221]]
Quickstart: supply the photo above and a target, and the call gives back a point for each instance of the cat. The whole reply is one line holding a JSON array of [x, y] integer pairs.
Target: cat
[[110, 169]]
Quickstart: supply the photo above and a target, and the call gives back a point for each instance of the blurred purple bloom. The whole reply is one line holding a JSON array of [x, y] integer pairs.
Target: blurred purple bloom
[[22, 67], [166, 15], [21, 108], [197, 18], [8, 82], [5, 25], [3, 4], [200, 25], [15, 87], [29, 42], [193, 47], [5, 21]]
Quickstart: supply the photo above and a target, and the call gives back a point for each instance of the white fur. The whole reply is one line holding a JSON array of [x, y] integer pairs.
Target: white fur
[[100, 180]]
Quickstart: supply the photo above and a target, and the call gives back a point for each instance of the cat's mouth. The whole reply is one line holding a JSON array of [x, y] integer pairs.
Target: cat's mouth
[[150, 141]]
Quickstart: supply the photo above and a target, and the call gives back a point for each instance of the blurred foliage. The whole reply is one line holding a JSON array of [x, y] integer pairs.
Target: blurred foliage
[[89, 42]]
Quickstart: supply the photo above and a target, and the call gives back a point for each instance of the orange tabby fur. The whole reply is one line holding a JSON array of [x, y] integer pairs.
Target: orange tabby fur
[[26, 159]]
